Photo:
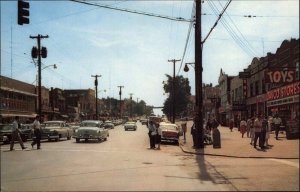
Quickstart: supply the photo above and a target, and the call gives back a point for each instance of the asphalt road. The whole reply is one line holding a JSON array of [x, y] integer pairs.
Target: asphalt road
[[125, 163]]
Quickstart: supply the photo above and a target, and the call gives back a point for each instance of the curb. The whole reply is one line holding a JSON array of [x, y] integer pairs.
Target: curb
[[233, 156]]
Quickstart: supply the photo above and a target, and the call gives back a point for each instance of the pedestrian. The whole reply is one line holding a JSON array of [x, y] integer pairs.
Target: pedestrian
[[257, 129], [37, 132], [277, 122], [209, 124], [194, 133], [158, 136], [231, 124], [184, 127], [252, 133], [152, 134], [16, 134], [243, 125], [269, 130], [249, 125], [262, 138]]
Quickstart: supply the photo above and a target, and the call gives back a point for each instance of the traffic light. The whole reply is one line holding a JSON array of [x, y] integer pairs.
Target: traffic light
[[44, 52], [34, 52], [23, 12]]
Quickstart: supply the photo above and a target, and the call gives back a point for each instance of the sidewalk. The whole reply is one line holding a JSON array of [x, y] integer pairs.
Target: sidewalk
[[233, 145]]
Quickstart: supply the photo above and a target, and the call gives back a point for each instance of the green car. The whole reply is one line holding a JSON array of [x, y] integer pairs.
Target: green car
[[90, 130]]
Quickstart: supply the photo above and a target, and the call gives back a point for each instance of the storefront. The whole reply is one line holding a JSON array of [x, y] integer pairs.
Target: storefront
[[284, 101]]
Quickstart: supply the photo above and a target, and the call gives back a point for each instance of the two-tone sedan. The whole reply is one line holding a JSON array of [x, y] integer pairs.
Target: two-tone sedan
[[130, 125], [91, 130], [169, 132], [55, 130]]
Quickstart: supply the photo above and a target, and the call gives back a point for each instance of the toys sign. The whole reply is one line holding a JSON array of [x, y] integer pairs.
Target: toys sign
[[280, 76]]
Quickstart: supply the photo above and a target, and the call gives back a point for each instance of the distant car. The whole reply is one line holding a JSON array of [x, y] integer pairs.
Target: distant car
[[130, 125], [144, 121], [108, 125], [91, 130], [169, 132], [5, 133], [55, 130]]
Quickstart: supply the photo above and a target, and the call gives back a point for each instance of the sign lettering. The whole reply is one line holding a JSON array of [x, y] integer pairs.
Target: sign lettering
[[284, 91], [280, 76]]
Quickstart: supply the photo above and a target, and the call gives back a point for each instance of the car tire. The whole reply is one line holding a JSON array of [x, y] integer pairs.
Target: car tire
[[86, 140], [56, 139], [77, 140], [105, 139], [68, 137]]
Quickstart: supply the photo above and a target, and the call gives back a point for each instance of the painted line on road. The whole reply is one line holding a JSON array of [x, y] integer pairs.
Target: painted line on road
[[286, 162]]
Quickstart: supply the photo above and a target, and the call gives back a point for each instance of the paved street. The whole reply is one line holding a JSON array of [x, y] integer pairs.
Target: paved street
[[125, 162]]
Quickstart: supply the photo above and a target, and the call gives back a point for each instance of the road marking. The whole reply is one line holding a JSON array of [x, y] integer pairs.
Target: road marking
[[286, 162]]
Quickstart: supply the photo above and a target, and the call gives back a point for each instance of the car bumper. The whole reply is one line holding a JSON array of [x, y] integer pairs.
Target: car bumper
[[86, 137], [170, 138], [4, 138]]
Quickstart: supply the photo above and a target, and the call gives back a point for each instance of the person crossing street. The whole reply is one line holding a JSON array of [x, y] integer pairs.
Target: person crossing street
[[16, 134]]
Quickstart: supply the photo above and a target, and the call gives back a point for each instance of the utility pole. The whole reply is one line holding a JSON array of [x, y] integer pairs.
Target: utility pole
[[120, 93], [131, 104], [96, 87], [40, 53], [199, 143], [173, 89]]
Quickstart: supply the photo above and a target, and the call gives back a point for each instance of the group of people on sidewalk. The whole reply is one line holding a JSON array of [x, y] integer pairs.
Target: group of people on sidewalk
[[259, 128], [16, 134]]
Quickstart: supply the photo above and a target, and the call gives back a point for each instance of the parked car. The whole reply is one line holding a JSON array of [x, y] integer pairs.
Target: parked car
[[74, 126], [108, 125], [130, 125], [55, 130], [91, 130], [27, 131], [144, 121], [5, 133], [170, 132]]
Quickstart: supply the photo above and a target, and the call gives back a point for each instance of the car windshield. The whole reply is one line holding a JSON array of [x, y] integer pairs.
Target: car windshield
[[52, 124], [5, 127], [170, 127], [88, 124], [130, 123]]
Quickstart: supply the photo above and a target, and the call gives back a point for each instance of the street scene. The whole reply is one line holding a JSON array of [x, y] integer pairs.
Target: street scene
[[165, 95]]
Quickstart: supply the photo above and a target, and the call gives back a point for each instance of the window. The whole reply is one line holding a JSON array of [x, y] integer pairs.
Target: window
[[256, 88]]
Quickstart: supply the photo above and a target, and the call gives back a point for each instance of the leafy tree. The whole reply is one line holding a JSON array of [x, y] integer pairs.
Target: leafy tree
[[182, 92]]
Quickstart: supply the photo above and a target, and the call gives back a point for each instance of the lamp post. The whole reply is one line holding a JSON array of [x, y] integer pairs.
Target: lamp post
[[39, 83]]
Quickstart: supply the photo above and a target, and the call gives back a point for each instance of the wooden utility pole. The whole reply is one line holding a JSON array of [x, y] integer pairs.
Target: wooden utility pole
[[199, 143], [173, 89], [131, 104], [120, 93], [96, 87], [39, 37]]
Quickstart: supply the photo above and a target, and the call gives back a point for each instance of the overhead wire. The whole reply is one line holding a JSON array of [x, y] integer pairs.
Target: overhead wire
[[231, 32], [134, 11], [187, 38]]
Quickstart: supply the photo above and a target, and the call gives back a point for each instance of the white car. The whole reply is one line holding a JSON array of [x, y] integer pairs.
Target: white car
[[130, 125]]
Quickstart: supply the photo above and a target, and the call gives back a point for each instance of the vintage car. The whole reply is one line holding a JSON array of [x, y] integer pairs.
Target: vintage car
[[144, 121], [108, 125], [5, 133], [169, 132], [91, 130], [130, 125], [55, 130]]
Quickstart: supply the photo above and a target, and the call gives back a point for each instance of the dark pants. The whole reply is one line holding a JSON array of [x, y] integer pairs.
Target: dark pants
[[262, 139], [37, 140], [256, 136], [152, 140], [277, 128], [15, 135]]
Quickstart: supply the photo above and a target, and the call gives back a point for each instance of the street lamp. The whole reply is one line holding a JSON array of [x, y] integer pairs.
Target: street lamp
[[54, 66]]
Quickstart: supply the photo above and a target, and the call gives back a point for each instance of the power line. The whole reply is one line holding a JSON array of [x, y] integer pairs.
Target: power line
[[134, 11], [254, 16]]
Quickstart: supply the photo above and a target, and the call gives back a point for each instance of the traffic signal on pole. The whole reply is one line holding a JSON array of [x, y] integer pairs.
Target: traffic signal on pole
[[34, 52], [23, 12], [44, 52]]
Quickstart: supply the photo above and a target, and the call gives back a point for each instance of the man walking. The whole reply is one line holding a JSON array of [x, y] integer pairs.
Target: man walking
[[257, 129], [277, 122], [15, 134], [37, 132], [152, 134]]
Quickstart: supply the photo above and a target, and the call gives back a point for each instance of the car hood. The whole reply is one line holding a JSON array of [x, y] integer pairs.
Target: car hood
[[88, 129], [5, 131], [170, 130]]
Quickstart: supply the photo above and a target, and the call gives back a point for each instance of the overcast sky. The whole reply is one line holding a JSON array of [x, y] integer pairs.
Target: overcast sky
[[133, 50]]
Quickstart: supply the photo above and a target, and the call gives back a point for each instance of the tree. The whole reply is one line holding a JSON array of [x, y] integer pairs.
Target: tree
[[182, 92]]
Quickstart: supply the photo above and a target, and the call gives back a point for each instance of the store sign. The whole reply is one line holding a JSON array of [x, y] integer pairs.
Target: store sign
[[280, 76], [283, 92]]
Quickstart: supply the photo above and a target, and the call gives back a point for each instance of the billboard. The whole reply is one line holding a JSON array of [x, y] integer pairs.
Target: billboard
[[283, 75]]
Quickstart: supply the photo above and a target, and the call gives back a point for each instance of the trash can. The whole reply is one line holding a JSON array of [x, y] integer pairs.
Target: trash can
[[216, 138]]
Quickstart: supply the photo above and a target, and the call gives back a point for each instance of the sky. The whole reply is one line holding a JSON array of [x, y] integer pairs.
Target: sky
[[133, 50]]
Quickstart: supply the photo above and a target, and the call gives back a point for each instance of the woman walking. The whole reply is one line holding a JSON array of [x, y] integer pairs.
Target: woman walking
[[243, 125]]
